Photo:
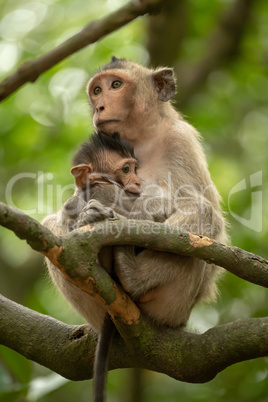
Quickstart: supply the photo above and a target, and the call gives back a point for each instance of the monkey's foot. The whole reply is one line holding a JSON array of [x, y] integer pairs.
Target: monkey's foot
[[148, 296]]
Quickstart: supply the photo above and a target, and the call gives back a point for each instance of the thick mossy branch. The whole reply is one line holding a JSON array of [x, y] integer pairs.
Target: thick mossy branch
[[30, 70], [162, 237], [26, 228], [196, 358], [69, 350], [46, 341]]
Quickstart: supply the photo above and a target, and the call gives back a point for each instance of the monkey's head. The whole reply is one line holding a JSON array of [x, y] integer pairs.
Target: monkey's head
[[122, 93], [107, 159]]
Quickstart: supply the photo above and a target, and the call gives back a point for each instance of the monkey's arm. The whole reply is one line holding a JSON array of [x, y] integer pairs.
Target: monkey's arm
[[193, 213], [65, 220], [110, 201], [198, 215]]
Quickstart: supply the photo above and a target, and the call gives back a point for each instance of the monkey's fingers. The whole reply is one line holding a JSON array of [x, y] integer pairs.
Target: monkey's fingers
[[94, 211]]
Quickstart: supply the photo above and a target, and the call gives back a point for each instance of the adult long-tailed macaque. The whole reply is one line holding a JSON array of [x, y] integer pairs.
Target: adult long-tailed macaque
[[134, 101], [176, 189]]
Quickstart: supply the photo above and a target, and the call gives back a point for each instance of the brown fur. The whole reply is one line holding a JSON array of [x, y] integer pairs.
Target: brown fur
[[177, 189], [172, 158]]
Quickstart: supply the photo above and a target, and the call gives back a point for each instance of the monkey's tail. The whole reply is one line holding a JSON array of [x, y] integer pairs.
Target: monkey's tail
[[101, 360]]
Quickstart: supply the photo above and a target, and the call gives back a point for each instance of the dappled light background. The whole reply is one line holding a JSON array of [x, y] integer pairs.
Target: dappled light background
[[42, 125]]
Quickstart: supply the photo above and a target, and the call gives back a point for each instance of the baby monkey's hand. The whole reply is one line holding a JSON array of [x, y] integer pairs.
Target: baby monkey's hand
[[94, 211]]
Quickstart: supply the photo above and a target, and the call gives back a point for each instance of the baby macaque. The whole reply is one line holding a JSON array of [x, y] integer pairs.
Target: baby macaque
[[101, 161], [105, 168], [109, 163]]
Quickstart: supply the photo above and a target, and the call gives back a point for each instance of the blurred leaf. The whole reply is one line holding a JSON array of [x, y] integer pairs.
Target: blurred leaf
[[20, 367], [42, 386]]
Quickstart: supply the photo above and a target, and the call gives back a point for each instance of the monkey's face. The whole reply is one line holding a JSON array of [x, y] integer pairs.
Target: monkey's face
[[125, 173], [111, 95], [129, 99], [113, 169]]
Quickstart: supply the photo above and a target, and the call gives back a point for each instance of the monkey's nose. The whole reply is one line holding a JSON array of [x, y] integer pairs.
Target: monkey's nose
[[100, 109]]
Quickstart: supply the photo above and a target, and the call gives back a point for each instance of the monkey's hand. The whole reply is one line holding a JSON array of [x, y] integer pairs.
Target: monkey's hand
[[94, 211]]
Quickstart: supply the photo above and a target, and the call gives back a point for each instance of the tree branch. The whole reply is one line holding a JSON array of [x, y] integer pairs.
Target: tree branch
[[69, 350], [166, 31], [191, 357], [224, 44], [162, 237], [26, 228], [30, 70], [79, 262]]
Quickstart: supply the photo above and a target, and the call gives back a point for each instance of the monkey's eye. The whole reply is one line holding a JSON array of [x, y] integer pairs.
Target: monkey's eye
[[116, 84], [97, 90], [125, 169]]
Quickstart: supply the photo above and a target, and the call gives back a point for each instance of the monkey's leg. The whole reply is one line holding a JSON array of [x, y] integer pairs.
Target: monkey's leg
[[85, 304], [65, 220], [70, 212], [165, 286]]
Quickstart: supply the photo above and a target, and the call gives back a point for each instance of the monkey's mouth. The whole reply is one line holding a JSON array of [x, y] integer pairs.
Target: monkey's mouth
[[133, 194], [102, 122]]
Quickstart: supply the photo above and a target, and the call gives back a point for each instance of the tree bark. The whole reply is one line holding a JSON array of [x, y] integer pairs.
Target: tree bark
[[69, 350], [166, 32]]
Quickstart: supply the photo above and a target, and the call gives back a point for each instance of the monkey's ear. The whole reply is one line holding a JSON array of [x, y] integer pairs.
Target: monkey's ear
[[114, 59], [165, 84], [80, 173]]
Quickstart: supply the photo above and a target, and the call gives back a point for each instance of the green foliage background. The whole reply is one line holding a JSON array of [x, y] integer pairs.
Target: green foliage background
[[42, 125]]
